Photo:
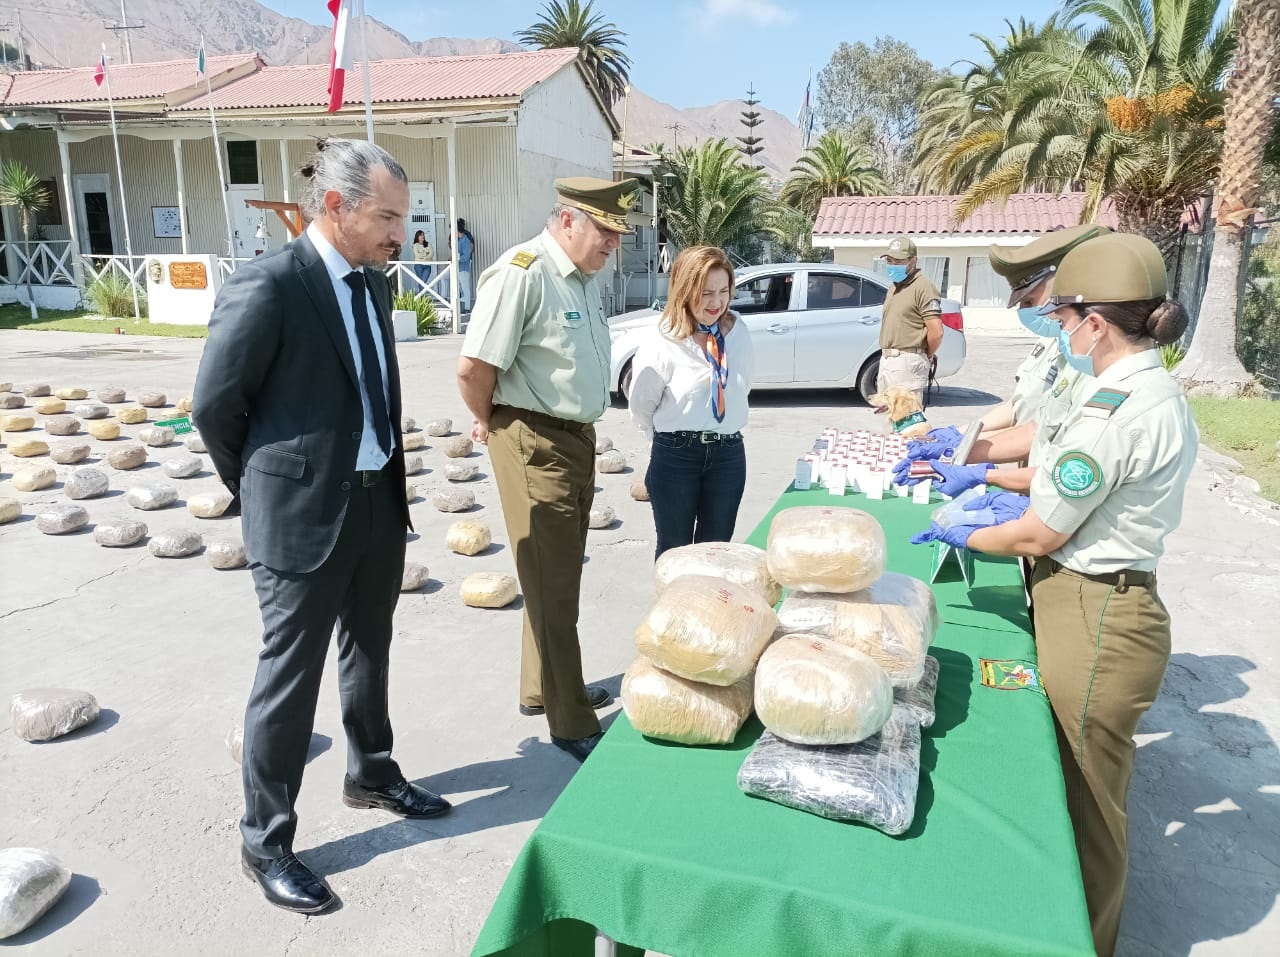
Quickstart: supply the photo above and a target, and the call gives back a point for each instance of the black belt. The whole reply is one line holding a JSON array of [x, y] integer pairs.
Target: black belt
[[369, 479], [551, 420], [707, 437], [1120, 580]]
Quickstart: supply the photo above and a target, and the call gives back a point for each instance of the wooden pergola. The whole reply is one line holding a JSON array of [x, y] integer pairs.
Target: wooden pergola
[[290, 214]]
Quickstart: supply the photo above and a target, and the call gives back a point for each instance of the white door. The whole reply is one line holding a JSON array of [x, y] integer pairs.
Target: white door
[[422, 215], [96, 214], [837, 328], [245, 221]]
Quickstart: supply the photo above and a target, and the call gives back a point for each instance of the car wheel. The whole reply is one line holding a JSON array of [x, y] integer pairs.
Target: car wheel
[[867, 378], [624, 383]]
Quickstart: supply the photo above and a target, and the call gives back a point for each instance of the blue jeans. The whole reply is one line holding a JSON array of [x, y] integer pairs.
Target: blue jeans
[[695, 488], [423, 272]]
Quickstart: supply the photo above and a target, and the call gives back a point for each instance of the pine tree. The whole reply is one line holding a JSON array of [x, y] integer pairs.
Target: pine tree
[[751, 119]]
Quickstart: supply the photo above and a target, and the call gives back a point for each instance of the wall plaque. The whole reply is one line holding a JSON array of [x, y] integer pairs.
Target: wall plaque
[[188, 275]]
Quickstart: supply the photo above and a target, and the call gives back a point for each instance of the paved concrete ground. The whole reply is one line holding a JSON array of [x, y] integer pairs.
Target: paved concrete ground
[[143, 805]]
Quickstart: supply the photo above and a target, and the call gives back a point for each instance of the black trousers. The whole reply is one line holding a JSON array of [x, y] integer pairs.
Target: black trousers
[[356, 587]]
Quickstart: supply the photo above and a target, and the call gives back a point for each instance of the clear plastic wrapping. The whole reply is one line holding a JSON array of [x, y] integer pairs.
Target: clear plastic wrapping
[[873, 782], [742, 564], [919, 698], [706, 629], [665, 706], [31, 881], [41, 714], [817, 549], [810, 690], [893, 622]]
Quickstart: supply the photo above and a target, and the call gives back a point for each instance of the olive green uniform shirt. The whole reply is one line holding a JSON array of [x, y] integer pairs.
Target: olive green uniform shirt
[[1115, 475], [1034, 378], [1056, 404], [540, 321], [908, 305]]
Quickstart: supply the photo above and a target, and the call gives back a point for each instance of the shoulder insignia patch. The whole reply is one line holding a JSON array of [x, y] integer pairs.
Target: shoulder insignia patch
[[933, 305], [1108, 400], [524, 259], [1077, 475], [1038, 351]]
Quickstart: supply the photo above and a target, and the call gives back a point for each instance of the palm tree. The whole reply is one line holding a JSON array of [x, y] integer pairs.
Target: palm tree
[[710, 197], [834, 166], [1212, 360], [21, 188], [600, 44], [1121, 99]]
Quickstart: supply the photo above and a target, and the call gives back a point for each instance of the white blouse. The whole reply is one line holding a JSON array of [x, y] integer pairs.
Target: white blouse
[[671, 383]]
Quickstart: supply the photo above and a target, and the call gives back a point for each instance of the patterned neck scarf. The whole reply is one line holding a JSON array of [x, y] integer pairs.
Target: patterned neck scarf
[[719, 367]]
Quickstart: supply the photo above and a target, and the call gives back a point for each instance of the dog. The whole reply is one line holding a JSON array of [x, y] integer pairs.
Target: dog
[[906, 414]]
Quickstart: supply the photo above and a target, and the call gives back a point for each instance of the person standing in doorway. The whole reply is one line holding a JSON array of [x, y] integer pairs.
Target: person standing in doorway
[[466, 255], [911, 327], [298, 400], [535, 373], [421, 258]]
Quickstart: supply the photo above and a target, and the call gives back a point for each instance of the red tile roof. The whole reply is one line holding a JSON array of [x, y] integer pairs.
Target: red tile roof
[[129, 81], [423, 80], [926, 215]]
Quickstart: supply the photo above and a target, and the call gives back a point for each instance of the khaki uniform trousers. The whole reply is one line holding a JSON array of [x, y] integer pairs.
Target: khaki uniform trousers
[[907, 370], [545, 472], [1102, 651]]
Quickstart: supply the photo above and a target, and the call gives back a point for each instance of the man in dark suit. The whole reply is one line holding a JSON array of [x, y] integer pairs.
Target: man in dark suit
[[298, 402]]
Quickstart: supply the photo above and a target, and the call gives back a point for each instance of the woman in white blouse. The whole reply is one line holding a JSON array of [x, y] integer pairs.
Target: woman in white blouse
[[689, 384]]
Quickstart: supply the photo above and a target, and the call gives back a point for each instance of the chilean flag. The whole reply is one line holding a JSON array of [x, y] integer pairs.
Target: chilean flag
[[342, 56], [100, 72]]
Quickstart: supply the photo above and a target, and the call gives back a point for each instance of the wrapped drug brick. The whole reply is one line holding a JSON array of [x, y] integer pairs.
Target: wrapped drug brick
[[816, 549], [41, 714], [919, 699], [737, 562], [31, 881], [665, 706], [706, 629], [893, 622]]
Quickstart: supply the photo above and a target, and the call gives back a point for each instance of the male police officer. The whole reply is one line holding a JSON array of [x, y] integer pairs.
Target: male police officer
[[535, 373], [911, 327]]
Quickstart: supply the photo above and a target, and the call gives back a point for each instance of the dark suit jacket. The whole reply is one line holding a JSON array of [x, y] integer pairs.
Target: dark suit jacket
[[278, 406]]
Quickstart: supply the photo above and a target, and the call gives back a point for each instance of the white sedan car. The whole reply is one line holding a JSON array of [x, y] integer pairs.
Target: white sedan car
[[813, 325]]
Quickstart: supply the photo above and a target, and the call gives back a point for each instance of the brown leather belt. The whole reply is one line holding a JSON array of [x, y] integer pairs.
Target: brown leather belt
[[891, 353], [1120, 580]]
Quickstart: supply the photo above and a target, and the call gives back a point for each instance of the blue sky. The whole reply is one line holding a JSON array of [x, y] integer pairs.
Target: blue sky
[[697, 52]]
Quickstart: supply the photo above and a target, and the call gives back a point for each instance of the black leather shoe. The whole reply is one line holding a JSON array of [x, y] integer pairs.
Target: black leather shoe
[[597, 696], [404, 799], [288, 883], [580, 748]]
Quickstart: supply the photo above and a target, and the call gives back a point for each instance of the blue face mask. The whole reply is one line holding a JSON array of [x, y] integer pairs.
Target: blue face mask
[[895, 272], [1081, 363], [1038, 325]]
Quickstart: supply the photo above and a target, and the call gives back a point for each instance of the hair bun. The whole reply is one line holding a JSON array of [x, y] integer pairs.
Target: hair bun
[[1167, 322]]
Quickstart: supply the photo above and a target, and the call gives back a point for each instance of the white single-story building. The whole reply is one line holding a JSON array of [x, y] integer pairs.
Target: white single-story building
[[858, 230], [481, 137]]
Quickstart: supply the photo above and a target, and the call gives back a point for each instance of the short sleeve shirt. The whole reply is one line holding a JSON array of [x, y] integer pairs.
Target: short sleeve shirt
[[908, 305], [540, 321], [1115, 474], [1037, 374]]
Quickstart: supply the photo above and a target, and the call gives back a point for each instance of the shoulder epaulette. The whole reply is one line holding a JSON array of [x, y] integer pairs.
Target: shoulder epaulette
[[524, 259], [1108, 400]]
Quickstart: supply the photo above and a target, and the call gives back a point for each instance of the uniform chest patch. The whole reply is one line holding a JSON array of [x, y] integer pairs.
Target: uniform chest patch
[[1077, 475], [1061, 385], [524, 259], [572, 316]]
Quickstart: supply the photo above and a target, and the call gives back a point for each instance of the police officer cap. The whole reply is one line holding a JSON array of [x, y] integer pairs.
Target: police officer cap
[[1119, 267], [1027, 266], [900, 247], [603, 200]]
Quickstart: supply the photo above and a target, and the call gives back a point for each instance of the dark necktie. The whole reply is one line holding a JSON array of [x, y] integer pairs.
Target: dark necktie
[[370, 371]]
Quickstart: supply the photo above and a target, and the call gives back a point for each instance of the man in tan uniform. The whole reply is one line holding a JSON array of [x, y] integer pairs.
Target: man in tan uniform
[[911, 326], [534, 371]]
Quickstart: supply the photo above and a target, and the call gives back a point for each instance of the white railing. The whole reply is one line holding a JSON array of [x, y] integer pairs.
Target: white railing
[[45, 263], [403, 277], [130, 268]]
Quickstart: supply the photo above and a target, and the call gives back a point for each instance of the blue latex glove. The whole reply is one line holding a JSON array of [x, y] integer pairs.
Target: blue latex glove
[[956, 536], [1006, 505], [954, 479], [918, 450], [900, 476], [948, 435]]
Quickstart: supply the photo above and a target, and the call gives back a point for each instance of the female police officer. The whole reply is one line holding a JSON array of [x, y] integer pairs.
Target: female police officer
[[1109, 490]]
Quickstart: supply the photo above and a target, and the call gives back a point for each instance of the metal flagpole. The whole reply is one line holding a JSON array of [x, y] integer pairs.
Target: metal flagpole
[[217, 158], [115, 139], [364, 53]]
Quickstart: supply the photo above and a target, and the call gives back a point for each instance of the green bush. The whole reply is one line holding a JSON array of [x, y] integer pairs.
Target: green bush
[[1171, 355], [425, 308], [111, 296]]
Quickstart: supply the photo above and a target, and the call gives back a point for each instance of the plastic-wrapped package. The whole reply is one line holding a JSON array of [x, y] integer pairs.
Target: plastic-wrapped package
[[665, 706], [31, 881], [742, 564], [873, 782], [893, 622], [489, 590], [468, 537], [40, 714], [812, 548], [919, 698], [706, 629], [810, 690]]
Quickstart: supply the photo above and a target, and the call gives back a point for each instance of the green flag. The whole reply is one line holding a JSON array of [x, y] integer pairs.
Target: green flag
[[200, 59]]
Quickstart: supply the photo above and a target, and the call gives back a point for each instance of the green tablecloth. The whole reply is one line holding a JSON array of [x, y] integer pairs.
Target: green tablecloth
[[655, 845]]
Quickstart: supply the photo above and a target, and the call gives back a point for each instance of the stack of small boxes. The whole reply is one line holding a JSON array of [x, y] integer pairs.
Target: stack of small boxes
[[857, 461]]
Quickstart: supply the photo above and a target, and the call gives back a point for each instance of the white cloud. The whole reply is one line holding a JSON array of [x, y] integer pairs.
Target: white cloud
[[760, 13]]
